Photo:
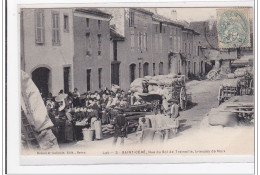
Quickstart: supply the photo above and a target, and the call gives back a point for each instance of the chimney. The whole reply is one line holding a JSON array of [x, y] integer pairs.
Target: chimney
[[174, 15]]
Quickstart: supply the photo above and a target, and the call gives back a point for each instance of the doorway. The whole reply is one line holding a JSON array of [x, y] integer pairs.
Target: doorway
[[132, 72], [40, 77], [146, 69]]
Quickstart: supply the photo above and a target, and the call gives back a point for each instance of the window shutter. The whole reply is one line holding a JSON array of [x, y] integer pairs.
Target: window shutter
[[43, 27]]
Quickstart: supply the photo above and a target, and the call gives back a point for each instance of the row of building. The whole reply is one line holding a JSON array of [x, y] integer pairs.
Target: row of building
[[92, 49]]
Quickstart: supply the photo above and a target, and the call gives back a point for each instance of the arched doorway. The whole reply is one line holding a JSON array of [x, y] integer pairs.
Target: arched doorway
[[40, 77], [132, 72], [146, 69], [201, 67], [161, 68]]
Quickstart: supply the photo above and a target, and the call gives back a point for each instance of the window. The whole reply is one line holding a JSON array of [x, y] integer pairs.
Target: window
[[170, 43], [198, 51], [67, 79], [55, 28], [132, 39], [131, 19], [39, 27], [153, 69], [194, 68], [140, 70], [161, 68], [132, 72], [115, 50], [99, 24], [140, 40], [145, 41], [188, 66], [161, 27], [179, 66], [88, 79], [87, 22], [99, 44], [66, 23], [146, 69], [99, 78], [156, 42], [160, 43], [88, 44]]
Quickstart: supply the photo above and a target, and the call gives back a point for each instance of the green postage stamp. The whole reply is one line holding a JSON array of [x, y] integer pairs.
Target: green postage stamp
[[233, 28]]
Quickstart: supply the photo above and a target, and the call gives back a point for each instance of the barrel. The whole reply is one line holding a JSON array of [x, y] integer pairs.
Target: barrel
[[88, 134]]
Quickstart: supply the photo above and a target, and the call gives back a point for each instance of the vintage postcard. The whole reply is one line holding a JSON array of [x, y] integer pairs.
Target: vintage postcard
[[132, 81]]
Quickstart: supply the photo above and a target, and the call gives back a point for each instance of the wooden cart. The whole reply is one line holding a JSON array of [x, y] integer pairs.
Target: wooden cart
[[246, 84], [227, 90]]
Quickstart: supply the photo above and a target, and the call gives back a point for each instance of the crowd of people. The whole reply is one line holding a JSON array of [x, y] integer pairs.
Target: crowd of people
[[103, 107]]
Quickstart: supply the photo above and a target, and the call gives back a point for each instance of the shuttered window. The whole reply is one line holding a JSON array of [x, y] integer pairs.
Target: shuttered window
[[132, 39], [99, 44], [55, 28], [39, 27], [145, 41], [88, 44]]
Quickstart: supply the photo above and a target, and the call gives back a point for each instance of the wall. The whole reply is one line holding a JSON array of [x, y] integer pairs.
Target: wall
[[128, 55], [82, 62], [47, 55]]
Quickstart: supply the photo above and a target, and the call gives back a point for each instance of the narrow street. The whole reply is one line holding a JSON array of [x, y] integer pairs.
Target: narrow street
[[191, 135], [204, 97]]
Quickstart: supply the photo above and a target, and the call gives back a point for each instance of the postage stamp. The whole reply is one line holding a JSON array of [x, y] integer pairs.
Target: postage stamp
[[233, 28]]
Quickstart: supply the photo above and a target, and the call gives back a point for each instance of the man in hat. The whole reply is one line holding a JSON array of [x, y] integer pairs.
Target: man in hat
[[120, 123]]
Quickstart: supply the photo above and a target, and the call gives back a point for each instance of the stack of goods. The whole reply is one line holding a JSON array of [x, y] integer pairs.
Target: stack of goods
[[227, 114], [154, 81], [108, 129], [230, 82], [240, 72], [136, 85]]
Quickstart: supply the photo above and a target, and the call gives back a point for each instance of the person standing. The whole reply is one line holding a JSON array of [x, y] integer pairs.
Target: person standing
[[120, 123], [76, 96]]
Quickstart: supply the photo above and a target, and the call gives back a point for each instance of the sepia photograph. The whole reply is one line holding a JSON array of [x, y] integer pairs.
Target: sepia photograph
[[137, 81]]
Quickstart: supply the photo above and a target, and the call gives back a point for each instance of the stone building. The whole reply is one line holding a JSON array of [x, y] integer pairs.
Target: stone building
[[47, 48], [66, 48], [149, 44], [91, 59]]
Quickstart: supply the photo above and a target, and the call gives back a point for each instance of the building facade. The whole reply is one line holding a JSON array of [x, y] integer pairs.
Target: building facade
[[66, 48], [47, 48], [152, 45], [91, 50]]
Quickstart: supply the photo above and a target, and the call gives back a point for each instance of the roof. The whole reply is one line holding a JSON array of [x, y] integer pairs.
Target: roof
[[142, 10], [208, 36], [160, 18], [114, 35], [93, 11]]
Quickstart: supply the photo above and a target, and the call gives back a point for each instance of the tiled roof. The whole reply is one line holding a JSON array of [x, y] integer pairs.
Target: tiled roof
[[93, 11], [176, 23], [143, 10], [114, 35]]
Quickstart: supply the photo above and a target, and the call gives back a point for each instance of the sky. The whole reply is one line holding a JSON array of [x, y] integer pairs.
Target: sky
[[193, 14], [189, 14]]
